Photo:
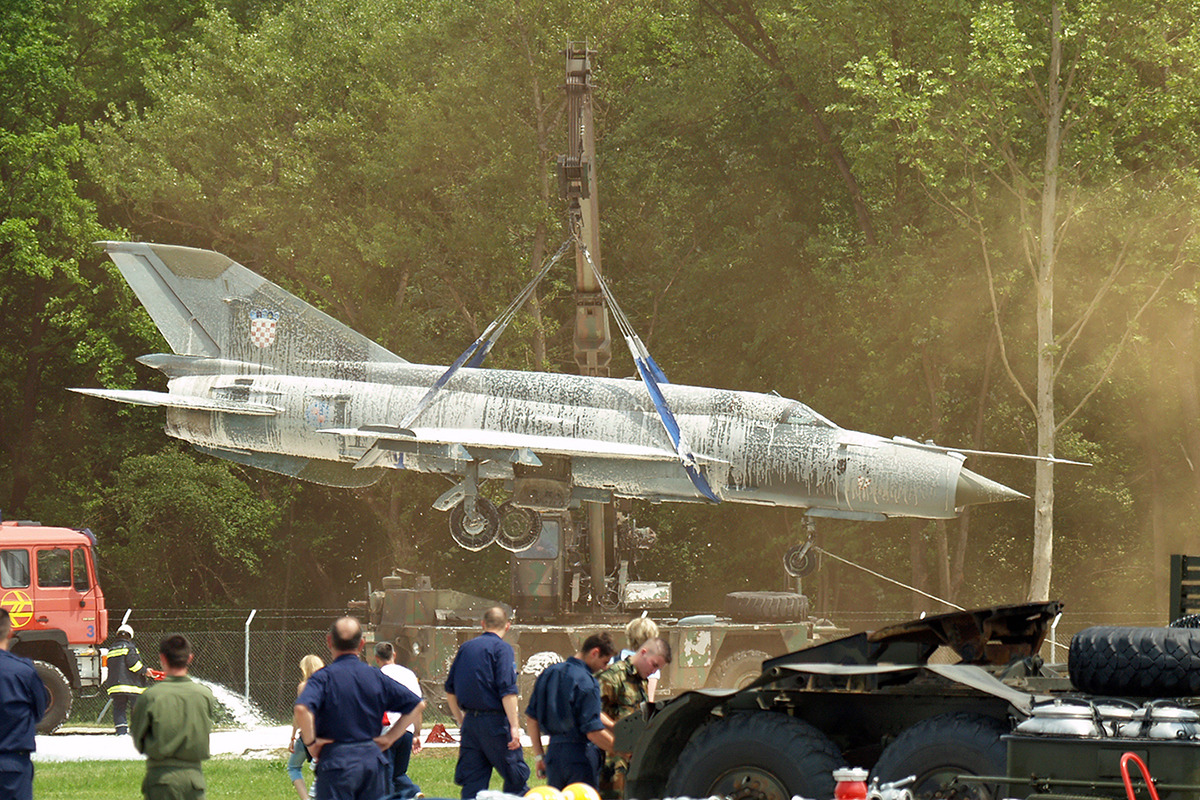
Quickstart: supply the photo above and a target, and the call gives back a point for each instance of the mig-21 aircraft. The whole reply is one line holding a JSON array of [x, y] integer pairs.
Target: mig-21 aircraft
[[262, 378]]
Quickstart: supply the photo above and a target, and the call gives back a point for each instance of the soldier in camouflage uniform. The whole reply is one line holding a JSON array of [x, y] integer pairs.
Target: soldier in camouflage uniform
[[622, 692]]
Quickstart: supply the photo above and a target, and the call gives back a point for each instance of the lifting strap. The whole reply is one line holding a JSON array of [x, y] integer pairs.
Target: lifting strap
[[652, 376]]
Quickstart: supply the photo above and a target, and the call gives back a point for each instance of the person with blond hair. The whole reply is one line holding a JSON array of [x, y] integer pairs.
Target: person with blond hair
[[622, 692], [308, 665], [637, 632]]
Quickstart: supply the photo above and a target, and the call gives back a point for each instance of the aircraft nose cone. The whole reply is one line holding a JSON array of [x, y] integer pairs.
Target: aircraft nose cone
[[974, 489]]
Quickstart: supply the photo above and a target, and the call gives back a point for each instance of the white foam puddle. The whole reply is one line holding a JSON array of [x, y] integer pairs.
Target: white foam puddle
[[244, 712], [242, 730]]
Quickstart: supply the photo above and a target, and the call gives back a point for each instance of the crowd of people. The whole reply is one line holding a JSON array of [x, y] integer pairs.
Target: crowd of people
[[360, 725], [575, 703]]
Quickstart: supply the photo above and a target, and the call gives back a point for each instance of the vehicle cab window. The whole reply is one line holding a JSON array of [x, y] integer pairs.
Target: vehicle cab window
[[79, 570], [54, 568], [14, 569]]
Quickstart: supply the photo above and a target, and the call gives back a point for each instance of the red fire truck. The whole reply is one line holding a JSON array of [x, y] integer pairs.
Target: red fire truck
[[48, 584]]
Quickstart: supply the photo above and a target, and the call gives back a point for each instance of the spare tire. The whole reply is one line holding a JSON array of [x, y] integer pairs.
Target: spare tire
[[58, 689], [738, 670], [766, 606], [1136, 662]]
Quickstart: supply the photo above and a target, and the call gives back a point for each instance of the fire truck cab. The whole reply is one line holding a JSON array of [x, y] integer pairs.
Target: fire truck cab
[[48, 584]]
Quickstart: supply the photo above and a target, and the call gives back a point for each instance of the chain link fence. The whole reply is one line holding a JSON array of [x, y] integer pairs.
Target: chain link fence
[[252, 663]]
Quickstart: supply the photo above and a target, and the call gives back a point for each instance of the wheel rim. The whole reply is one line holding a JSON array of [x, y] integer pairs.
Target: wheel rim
[[474, 532], [474, 525], [749, 783], [745, 679], [942, 784]]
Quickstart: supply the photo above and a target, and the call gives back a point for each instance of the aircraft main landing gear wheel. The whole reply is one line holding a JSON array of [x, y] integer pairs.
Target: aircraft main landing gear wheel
[[475, 533], [519, 527]]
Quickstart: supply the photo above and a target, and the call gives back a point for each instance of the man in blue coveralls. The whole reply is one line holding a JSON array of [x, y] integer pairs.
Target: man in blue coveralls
[[22, 704], [566, 704], [481, 690], [338, 716]]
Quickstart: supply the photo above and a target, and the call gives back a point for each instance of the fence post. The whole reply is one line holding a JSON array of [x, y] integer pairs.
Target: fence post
[[249, 619]]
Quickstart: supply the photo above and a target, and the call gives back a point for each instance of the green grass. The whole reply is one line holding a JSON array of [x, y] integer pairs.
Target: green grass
[[228, 778]]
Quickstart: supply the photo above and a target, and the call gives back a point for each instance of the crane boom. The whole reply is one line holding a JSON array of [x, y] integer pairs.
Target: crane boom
[[577, 185]]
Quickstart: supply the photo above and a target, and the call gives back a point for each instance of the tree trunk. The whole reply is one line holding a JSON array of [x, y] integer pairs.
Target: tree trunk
[[1043, 494]]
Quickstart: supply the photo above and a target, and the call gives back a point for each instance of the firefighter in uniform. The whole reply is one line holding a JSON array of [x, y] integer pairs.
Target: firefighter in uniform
[[126, 677]]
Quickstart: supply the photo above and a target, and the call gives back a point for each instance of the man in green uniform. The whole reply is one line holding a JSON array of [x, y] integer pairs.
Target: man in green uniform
[[170, 724], [622, 691]]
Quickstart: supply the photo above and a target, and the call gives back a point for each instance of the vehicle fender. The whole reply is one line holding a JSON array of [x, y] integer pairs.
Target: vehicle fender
[[49, 646], [656, 738]]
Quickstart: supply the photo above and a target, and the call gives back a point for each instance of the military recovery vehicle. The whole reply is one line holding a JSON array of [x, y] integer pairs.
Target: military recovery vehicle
[[554, 611], [961, 701]]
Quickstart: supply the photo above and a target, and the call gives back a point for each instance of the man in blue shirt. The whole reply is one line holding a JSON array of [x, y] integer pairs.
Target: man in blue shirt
[[481, 690], [22, 703], [566, 704], [338, 713]]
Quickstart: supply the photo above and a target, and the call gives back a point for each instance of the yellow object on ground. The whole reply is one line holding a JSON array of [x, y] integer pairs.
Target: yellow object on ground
[[580, 791]]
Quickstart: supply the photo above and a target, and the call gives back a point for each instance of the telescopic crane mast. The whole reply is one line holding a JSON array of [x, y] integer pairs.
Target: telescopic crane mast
[[577, 185]]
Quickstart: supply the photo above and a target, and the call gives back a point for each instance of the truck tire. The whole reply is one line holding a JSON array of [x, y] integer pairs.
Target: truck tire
[[59, 690], [942, 747], [1136, 662], [756, 755], [737, 670], [766, 606]]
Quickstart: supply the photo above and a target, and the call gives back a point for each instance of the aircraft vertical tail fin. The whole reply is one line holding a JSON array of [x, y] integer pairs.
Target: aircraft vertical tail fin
[[208, 305]]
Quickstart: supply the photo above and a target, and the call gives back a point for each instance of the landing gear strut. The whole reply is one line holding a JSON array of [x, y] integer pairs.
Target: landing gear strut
[[474, 520]]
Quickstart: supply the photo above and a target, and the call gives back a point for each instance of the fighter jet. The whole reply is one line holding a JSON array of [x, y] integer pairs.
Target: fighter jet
[[262, 378]]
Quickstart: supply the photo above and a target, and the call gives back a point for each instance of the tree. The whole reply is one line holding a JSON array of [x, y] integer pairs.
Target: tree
[[47, 318], [181, 532], [1053, 137]]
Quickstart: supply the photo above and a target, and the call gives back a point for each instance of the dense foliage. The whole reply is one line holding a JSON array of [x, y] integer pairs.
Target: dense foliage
[[862, 206]]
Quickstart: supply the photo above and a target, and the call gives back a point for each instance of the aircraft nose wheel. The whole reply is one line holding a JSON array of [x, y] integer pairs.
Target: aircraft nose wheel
[[478, 531]]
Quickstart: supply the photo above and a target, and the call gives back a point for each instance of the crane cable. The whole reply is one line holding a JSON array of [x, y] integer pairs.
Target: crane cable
[[823, 551], [652, 376]]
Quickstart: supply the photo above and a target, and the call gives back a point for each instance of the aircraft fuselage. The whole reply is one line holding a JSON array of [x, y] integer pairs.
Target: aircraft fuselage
[[756, 448]]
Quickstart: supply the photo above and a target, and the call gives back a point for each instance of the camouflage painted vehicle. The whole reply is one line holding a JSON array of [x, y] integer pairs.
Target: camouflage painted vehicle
[[427, 624]]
